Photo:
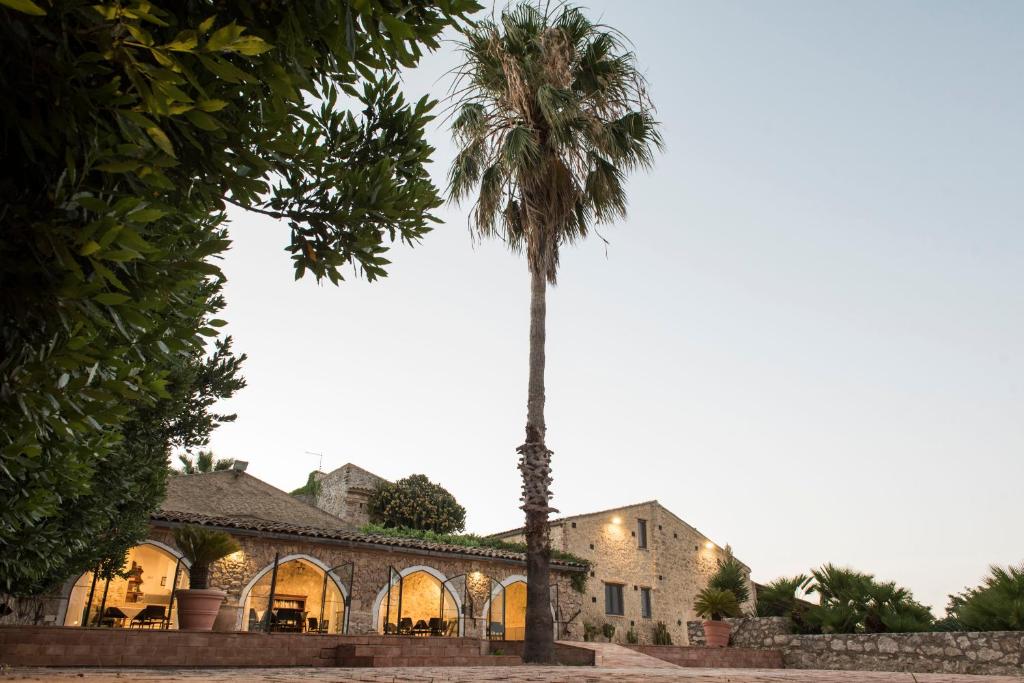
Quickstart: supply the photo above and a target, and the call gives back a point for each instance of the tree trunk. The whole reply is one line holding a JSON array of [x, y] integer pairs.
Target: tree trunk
[[535, 466]]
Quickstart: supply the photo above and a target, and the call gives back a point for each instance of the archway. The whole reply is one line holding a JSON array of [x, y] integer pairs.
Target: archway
[[141, 598], [418, 600], [296, 594], [505, 610]]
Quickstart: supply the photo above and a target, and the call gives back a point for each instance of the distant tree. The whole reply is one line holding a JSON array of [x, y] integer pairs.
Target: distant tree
[[417, 503], [996, 605], [203, 463], [127, 128], [553, 114]]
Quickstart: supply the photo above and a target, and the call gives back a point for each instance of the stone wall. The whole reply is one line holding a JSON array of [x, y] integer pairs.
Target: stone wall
[[345, 493], [675, 566], [746, 631], [992, 653]]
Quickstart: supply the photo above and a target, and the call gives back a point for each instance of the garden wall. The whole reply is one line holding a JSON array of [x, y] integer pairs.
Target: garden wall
[[993, 653]]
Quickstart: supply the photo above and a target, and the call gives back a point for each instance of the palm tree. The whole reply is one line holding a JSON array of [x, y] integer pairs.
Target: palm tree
[[551, 115], [204, 463]]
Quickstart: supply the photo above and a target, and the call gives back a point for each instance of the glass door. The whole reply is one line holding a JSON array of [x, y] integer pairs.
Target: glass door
[[496, 611], [450, 622], [392, 624], [334, 603]]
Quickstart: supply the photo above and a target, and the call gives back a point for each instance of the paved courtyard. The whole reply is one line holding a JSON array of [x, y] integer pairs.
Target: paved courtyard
[[519, 674]]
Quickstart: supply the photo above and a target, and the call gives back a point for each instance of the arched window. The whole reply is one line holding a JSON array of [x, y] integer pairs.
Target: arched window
[[141, 598], [418, 601], [303, 595]]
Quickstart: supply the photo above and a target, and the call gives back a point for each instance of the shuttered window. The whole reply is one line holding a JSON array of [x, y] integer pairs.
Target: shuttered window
[[613, 599]]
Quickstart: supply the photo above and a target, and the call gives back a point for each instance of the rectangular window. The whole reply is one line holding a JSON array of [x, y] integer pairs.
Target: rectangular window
[[645, 603], [641, 533], [613, 599]]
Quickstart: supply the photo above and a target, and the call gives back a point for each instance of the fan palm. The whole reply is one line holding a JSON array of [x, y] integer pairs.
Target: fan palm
[[551, 114], [203, 464], [203, 547]]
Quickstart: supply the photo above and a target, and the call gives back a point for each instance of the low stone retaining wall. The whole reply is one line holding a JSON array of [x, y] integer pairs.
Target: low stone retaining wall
[[992, 653], [58, 646], [713, 657]]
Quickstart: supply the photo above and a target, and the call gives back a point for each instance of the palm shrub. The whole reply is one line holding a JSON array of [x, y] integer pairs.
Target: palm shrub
[[731, 576], [996, 605], [552, 113], [716, 604], [202, 547], [854, 602], [779, 599]]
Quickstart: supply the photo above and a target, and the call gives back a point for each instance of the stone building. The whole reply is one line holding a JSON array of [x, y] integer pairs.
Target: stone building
[[303, 569], [647, 566], [345, 493]]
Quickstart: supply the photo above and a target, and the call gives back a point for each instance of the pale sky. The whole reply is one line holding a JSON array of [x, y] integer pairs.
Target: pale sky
[[805, 340]]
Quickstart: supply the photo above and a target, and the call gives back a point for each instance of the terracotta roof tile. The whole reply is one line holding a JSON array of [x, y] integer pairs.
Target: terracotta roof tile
[[255, 524]]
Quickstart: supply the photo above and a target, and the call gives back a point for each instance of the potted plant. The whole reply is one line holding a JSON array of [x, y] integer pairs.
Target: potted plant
[[198, 605], [713, 605]]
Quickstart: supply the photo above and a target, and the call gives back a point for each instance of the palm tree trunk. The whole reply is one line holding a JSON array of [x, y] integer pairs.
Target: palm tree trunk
[[535, 466]]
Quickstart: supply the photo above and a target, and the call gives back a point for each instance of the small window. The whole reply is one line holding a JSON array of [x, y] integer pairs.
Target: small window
[[641, 533], [613, 603], [645, 603]]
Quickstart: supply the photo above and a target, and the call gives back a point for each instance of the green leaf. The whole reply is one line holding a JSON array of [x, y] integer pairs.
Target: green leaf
[[25, 6], [161, 139], [211, 105], [90, 247], [202, 120], [146, 215], [112, 298]]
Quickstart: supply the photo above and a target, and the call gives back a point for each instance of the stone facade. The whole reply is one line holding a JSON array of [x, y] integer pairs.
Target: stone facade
[[990, 653], [675, 566], [370, 576], [746, 631], [345, 493]]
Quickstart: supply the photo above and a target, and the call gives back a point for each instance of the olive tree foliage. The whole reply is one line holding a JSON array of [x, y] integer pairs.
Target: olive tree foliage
[[416, 503], [126, 128]]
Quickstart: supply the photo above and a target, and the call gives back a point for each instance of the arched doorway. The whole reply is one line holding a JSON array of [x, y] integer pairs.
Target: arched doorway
[[297, 594], [505, 610], [418, 601], [141, 598]]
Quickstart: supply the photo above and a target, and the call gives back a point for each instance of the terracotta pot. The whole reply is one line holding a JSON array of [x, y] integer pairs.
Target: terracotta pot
[[198, 608], [716, 633]]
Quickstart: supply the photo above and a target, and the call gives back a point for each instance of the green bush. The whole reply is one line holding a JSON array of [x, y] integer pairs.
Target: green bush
[[470, 541], [661, 634], [416, 503], [631, 636], [590, 632], [996, 605], [608, 630], [716, 604], [855, 602], [202, 547]]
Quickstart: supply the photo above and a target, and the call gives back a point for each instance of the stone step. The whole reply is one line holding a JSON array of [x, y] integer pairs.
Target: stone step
[[377, 661]]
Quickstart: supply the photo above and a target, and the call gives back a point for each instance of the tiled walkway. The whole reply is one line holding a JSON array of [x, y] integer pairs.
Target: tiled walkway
[[519, 674], [612, 656]]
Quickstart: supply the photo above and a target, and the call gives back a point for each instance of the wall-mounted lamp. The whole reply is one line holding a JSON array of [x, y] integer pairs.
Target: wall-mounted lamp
[[709, 545], [616, 520]]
